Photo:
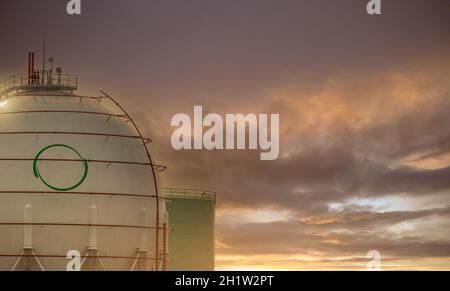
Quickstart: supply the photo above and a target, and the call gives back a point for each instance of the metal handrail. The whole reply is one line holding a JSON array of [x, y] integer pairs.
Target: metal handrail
[[189, 194], [25, 82]]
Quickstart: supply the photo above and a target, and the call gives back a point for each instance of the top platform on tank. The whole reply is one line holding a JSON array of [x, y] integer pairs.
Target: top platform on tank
[[48, 83]]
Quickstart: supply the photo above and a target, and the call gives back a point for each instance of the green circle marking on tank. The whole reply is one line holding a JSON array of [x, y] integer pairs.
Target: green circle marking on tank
[[38, 176]]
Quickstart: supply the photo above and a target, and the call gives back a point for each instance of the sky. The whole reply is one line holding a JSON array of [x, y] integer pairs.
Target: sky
[[363, 102]]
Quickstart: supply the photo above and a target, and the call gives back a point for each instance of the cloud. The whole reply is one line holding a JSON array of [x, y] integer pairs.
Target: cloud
[[342, 139], [343, 236], [351, 218]]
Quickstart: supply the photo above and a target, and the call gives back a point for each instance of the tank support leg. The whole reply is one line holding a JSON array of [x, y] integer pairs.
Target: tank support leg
[[92, 249], [140, 263], [28, 248]]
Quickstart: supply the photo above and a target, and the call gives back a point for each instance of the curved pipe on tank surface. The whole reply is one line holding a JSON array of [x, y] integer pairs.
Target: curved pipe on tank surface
[[154, 179]]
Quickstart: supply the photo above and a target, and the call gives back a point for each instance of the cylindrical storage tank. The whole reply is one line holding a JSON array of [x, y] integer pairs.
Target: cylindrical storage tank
[[192, 235], [76, 178]]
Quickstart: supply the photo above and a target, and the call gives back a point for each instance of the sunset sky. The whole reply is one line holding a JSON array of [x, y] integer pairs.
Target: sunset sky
[[364, 104]]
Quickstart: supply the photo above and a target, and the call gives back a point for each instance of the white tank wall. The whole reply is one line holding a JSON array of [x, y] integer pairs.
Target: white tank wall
[[73, 209]]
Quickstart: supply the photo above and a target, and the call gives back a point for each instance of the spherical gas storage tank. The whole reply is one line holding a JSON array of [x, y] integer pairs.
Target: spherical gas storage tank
[[78, 187], [192, 235]]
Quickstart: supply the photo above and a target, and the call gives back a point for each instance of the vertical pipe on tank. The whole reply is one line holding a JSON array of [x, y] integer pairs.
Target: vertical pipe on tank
[[166, 240], [93, 228], [31, 73], [43, 60], [165, 247], [92, 246], [141, 262], [28, 231], [29, 69], [32, 68], [144, 235]]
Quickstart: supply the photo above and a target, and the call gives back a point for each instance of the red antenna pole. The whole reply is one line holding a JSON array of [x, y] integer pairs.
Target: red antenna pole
[[43, 55], [30, 67], [43, 60]]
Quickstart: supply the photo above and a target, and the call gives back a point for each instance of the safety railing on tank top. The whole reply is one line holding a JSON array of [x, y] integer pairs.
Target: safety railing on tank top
[[189, 194], [38, 82]]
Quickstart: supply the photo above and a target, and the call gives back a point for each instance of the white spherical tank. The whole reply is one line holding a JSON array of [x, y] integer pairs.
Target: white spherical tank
[[76, 178]]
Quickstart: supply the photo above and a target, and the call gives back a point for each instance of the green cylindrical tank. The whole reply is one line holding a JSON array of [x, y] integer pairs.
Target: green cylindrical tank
[[192, 219]]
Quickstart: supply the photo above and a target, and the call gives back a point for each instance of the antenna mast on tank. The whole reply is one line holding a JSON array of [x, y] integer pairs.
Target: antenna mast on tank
[[43, 59]]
